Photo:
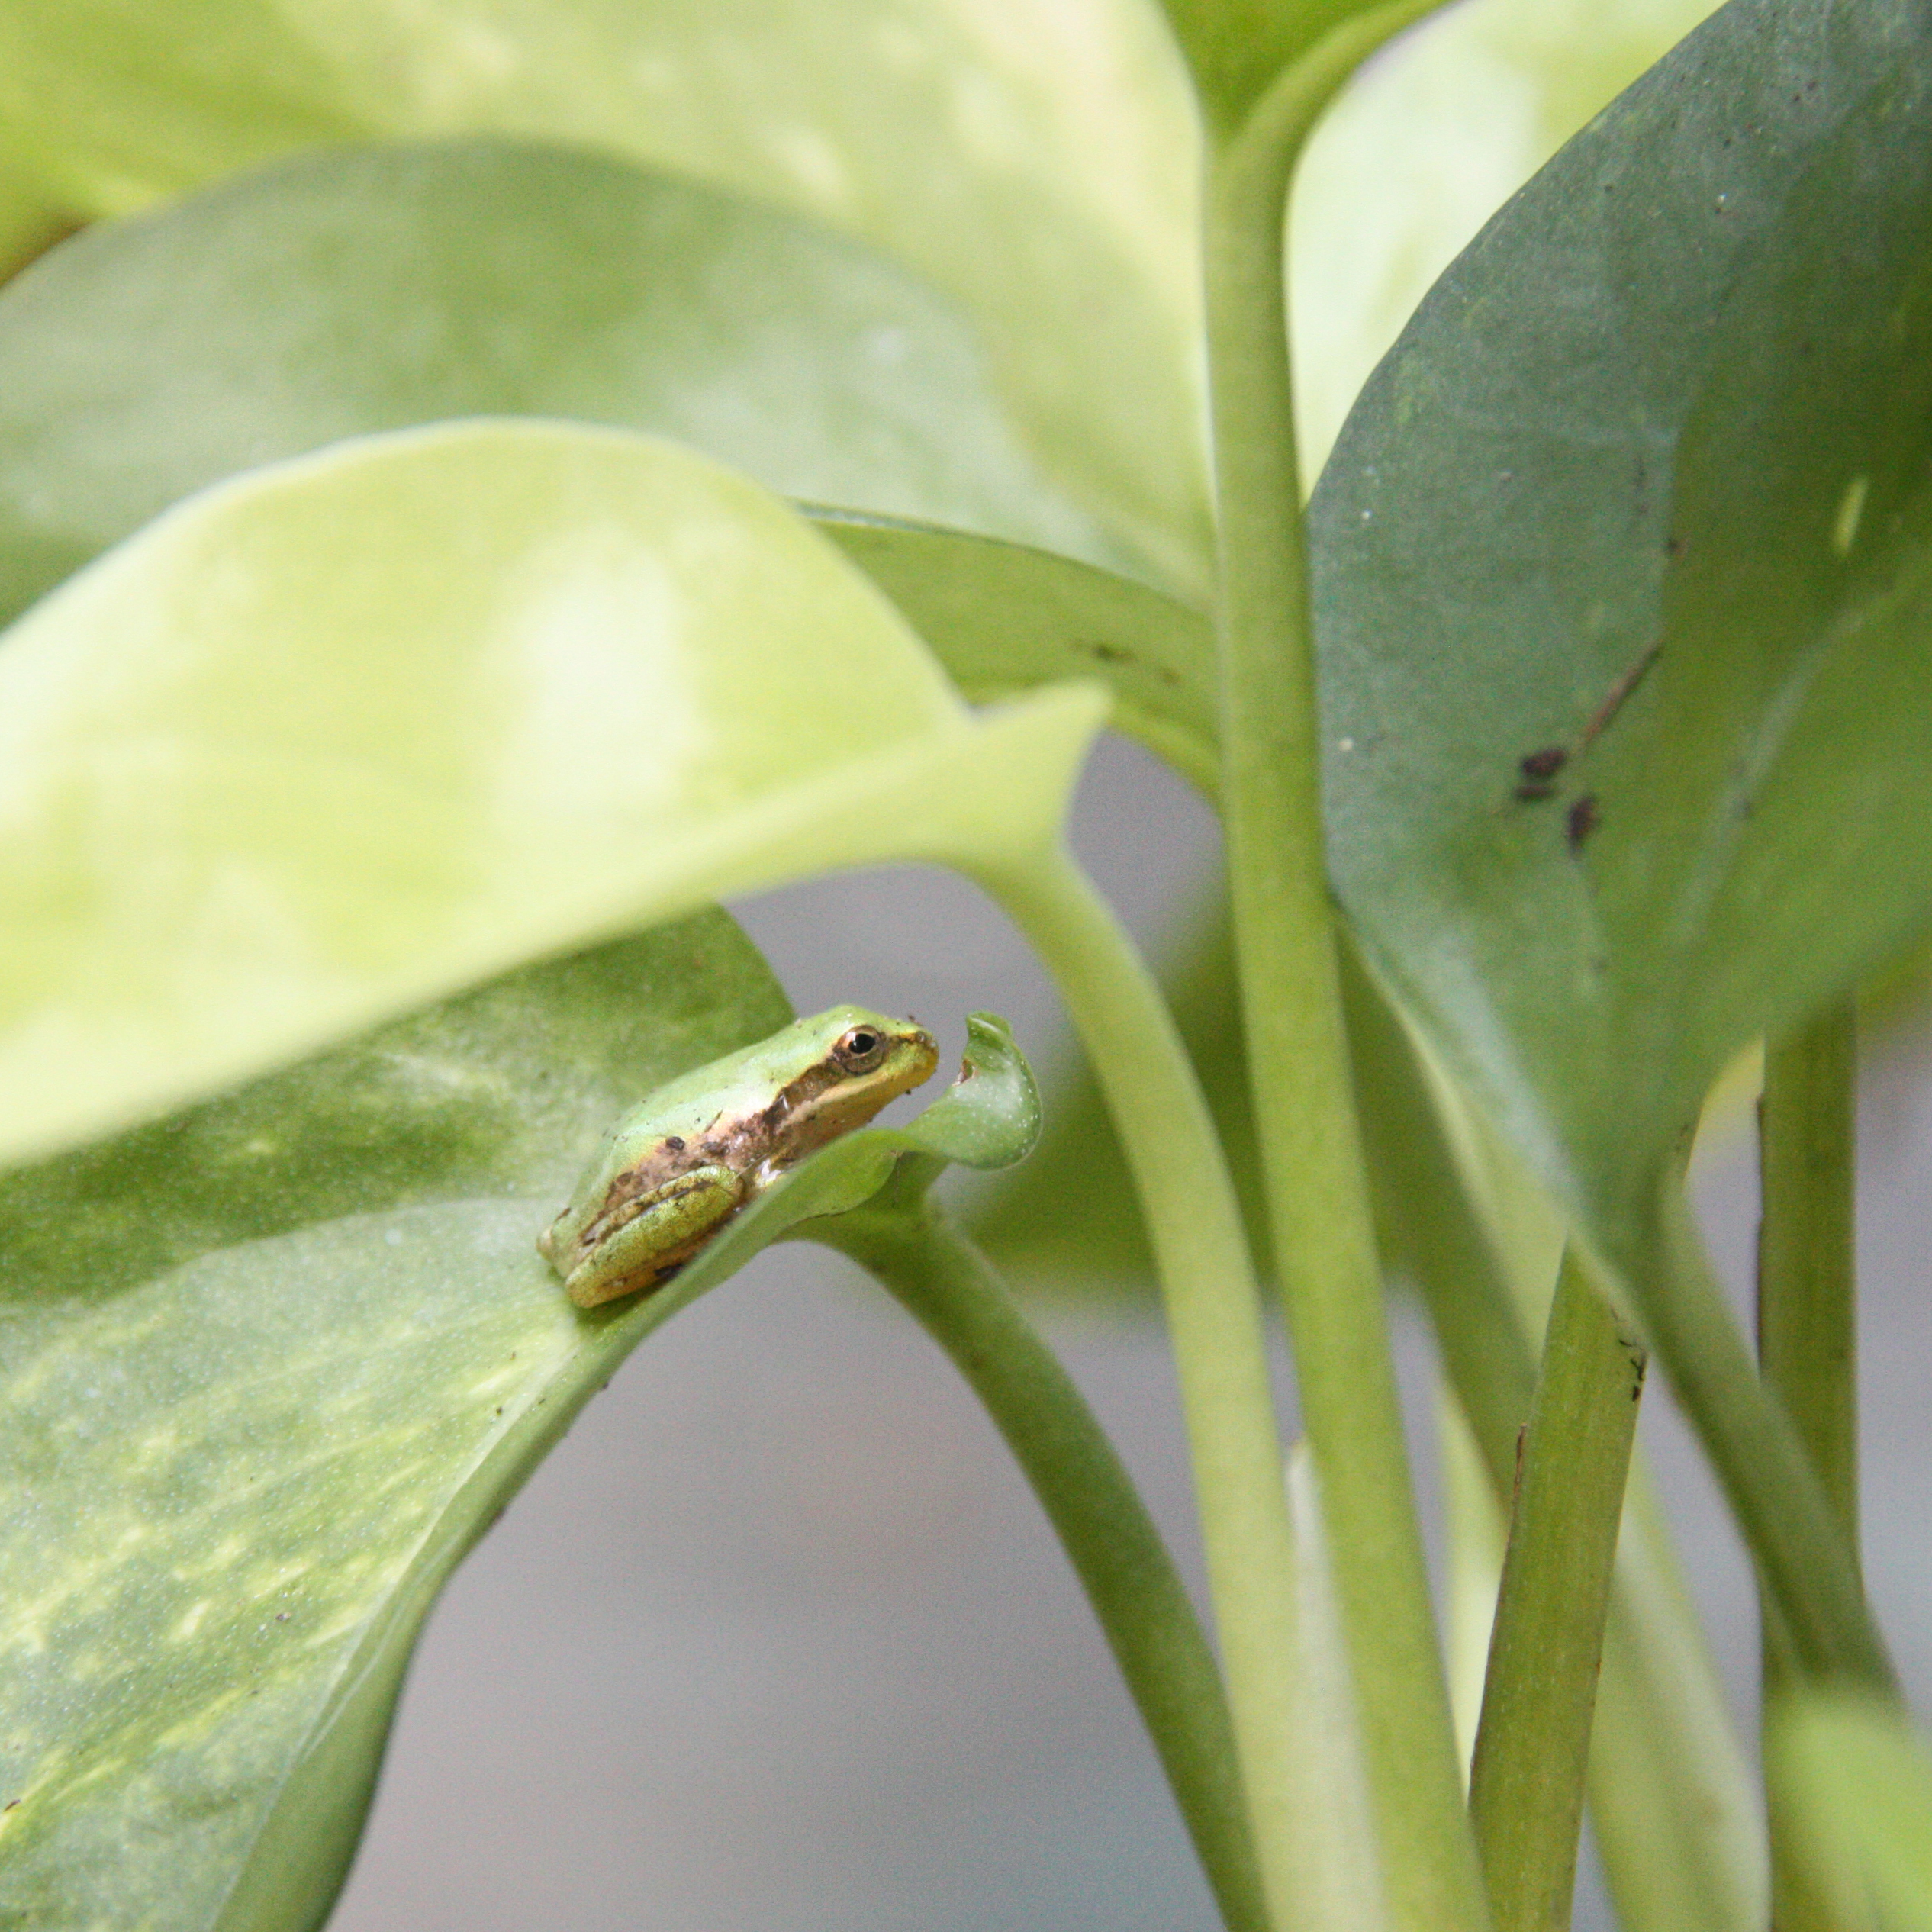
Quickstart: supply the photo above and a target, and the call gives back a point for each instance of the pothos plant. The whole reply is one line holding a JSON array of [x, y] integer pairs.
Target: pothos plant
[[403, 657]]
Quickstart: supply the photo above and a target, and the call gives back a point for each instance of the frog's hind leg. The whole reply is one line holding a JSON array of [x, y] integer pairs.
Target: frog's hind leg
[[673, 1223]]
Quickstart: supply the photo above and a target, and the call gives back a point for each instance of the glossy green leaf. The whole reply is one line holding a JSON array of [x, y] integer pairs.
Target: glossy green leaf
[[1038, 169], [1618, 573], [271, 1365], [1641, 488], [1855, 1780], [365, 289], [274, 1364], [352, 732], [1424, 145]]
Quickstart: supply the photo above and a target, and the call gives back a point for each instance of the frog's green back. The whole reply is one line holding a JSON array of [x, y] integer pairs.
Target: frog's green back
[[752, 1075], [738, 1082]]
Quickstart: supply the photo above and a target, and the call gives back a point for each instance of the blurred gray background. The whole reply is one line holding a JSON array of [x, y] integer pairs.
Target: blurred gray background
[[777, 1638]]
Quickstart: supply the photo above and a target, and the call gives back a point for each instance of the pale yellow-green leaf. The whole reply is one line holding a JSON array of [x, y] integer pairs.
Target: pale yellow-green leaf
[[344, 734]]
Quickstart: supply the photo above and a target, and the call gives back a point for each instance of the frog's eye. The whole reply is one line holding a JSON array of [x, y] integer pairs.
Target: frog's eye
[[861, 1049]]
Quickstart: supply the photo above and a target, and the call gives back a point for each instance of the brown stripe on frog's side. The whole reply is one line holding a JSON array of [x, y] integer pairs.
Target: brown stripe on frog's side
[[791, 1124], [822, 1101], [741, 1146], [790, 1115]]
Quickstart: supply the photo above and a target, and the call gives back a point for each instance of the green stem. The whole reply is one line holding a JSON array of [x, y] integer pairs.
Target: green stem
[[1312, 1160], [1214, 1315], [1532, 1745], [1679, 1830], [1429, 1232], [1806, 1308], [1678, 1827], [954, 1292], [1804, 1563], [1807, 1316]]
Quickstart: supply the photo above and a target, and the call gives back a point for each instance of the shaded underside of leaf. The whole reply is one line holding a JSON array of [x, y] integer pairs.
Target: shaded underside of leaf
[[1003, 618], [1640, 498], [365, 289]]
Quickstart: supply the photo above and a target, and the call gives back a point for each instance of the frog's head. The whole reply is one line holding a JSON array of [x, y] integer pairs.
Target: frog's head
[[854, 1062]]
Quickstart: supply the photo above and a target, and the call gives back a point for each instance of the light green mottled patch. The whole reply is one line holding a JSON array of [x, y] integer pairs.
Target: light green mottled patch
[[302, 1464], [1851, 510]]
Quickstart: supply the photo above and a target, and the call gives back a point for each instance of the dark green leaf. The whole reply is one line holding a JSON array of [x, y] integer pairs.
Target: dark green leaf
[[1622, 582], [1621, 575]]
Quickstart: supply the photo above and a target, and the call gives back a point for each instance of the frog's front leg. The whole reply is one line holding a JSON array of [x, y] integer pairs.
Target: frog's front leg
[[672, 1223]]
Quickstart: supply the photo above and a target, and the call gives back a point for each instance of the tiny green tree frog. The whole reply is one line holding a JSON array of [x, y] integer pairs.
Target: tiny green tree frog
[[679, 1165]]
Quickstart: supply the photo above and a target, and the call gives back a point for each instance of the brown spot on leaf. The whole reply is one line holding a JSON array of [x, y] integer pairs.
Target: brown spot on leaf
[[1613, 698]]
